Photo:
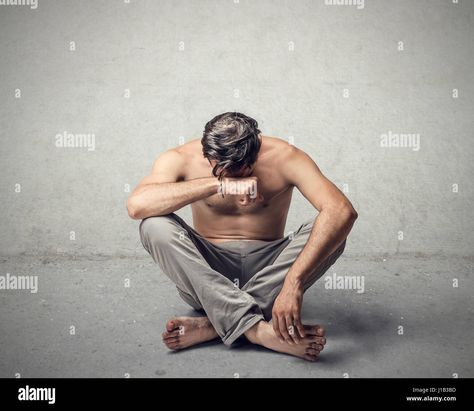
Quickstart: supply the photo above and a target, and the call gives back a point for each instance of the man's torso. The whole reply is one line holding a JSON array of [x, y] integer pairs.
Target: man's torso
[[230, 217]]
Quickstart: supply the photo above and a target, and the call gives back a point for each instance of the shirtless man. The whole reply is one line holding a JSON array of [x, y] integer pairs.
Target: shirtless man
[[236, 265]]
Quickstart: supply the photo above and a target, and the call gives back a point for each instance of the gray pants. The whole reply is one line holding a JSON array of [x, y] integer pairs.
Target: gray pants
[[236, 282]]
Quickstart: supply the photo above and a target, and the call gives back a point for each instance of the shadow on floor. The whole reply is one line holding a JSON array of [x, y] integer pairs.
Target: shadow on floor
[[359, 332]]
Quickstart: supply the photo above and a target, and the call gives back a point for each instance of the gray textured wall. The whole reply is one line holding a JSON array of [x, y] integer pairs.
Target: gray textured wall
[[333, 78]]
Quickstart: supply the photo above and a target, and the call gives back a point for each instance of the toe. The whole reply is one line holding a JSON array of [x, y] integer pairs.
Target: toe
[[317, 347], [168, 334], [170, 339], [172, 325], [312, 351], [172, 345], [320, 340], [311, 358], [314, 330], [317, 340]]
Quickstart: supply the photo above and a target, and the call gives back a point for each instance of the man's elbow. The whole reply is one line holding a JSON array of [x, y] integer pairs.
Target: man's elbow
[[349, 213], [134, 208], [343, 211]]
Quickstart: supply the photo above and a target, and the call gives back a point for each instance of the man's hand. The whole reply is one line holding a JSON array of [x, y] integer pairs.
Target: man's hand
[[286, 314]]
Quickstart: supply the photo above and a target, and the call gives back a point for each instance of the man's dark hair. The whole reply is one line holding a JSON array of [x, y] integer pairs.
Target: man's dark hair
[[232, 140]]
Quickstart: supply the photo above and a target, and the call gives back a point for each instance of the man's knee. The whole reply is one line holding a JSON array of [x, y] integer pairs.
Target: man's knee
[[158, 230]]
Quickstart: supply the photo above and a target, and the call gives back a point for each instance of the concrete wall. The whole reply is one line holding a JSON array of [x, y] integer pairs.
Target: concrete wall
[[333, 78]]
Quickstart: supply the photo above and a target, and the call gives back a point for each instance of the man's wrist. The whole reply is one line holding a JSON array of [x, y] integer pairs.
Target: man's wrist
[[294, 281], [215, 185]]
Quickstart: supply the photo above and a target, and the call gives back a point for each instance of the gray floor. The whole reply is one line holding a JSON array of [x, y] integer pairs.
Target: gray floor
[[118, 329]]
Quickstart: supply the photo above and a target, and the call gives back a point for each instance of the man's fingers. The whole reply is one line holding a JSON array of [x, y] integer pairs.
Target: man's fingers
[[292, 331], [283, 326], [276, 327], [299, 326]]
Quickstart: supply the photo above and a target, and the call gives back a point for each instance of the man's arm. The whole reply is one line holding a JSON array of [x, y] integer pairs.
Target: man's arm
[[333, 224], [162, 192]]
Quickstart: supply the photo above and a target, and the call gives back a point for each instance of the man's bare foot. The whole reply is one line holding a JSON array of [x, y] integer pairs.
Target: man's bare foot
[[183, 332], [309, 347]]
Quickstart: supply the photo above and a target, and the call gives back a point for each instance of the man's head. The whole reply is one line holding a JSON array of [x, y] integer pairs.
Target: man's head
[[231, 143]]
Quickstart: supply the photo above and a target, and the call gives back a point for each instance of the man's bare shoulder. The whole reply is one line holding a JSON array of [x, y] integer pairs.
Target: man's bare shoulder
[[286, 160], [279, 150], [189, 152], [183, 152], [190, 148], [180, 157]]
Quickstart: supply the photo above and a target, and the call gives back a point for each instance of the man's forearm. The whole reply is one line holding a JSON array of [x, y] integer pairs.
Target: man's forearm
[[330, 229], [154, 199]]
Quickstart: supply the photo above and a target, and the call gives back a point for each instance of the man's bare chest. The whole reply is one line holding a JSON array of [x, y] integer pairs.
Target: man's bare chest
[[267, 199]]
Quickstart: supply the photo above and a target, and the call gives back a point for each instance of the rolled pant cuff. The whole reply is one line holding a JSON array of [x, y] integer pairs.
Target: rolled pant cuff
[[243, 325]]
